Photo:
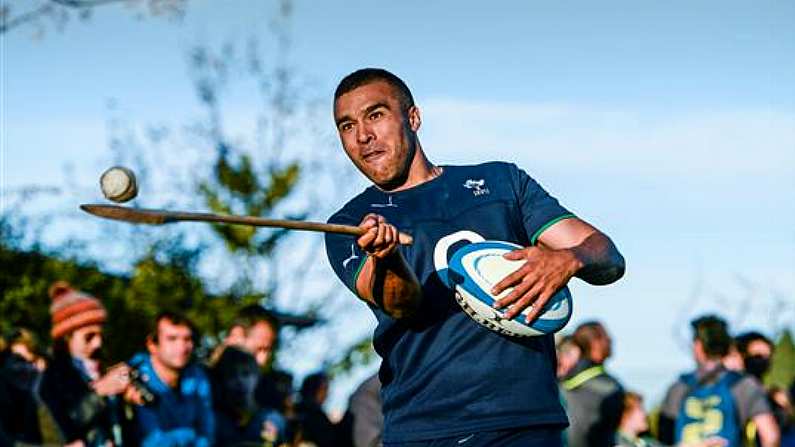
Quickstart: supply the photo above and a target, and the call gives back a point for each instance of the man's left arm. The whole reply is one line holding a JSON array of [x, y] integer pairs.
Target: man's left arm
[[570, 247]]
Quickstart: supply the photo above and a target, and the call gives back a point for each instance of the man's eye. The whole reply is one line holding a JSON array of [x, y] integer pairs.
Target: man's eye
[[346, 127], [376, 115]]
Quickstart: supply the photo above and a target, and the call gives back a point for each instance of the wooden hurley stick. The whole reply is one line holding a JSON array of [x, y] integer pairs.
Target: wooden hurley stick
[[160, 217]]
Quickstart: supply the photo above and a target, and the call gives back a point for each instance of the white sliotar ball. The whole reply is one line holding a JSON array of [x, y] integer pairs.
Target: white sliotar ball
[[118, 184]]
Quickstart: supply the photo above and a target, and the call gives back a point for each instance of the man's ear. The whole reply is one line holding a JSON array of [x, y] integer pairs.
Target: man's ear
[[415, 119], [151, 345], [236, 337]]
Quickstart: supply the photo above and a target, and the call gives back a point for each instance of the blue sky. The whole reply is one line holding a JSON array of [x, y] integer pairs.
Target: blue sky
[[669, 125]]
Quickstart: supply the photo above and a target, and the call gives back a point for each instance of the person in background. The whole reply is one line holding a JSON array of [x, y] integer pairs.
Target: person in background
[[568, 354], [733, 361], [181, 414], [782, 399], [594, 399], [83, 400], [634, 425], [364, 420], [256, 331], [756, 351], [24, 419], [315, 426], [713, 401], [239, 418]]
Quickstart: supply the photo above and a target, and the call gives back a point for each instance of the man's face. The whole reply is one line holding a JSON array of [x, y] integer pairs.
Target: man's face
[[635, 419], [174, 345], [759, 348], [259, 342], [85, 342], [568, 356], [601, 346], [378, 136]]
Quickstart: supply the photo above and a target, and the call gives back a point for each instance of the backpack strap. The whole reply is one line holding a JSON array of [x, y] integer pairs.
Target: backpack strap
[[583, 376]]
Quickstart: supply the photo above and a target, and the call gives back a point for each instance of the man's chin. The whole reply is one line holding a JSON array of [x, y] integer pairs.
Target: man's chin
[[389, 181], [179, 365]]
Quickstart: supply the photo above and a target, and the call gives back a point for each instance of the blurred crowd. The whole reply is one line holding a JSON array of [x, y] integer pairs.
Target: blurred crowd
[[721, 402], [165, 396]]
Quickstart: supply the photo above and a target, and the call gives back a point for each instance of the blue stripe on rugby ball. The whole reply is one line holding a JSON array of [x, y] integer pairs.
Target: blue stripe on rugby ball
[[476, 267]]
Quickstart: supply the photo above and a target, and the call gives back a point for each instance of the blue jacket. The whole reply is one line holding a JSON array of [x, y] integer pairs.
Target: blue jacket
[[178, 417]]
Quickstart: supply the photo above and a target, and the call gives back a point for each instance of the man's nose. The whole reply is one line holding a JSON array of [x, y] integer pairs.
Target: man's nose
[[363, 134]]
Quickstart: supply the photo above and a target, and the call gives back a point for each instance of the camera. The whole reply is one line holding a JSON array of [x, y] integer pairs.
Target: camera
[[140, 381]]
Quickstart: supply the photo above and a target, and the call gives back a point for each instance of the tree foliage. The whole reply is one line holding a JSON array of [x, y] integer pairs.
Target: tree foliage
[[782, 368], [163, 280]]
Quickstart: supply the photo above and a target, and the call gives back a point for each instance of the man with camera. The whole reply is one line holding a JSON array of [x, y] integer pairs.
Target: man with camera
[[180, 410]]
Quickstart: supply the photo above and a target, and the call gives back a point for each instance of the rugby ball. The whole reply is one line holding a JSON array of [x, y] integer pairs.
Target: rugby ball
[[475, 268]]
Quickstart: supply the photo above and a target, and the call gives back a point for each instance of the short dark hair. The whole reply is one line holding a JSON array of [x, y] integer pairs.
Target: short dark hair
[[311, 384], [744, 340], [253, 314], [175, 318], [713, 333], [366, 76], [586, 333]]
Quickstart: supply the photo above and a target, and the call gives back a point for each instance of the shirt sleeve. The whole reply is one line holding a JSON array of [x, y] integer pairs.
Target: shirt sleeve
[[343, 254], [751, 399], [539, 209], [669, 412], [673, 399]]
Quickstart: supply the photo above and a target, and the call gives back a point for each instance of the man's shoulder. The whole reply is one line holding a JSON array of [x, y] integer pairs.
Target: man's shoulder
[[604, 384], [352, 209], [502, 167]]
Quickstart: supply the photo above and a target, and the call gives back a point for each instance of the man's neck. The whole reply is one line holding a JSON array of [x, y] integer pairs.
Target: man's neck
[[709, 365], [167, 375], [421, 170]]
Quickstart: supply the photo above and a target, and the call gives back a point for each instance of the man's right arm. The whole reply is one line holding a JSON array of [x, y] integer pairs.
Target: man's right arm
[[385, 278], [754, 406], [767, 430]]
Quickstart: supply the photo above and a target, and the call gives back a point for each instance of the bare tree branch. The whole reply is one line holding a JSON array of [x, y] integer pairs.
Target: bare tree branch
[[9, 23], [50, 7], [84, 3]]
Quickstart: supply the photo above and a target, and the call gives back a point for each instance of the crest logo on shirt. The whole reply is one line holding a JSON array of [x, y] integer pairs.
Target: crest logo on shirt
[[478, 187], [384, 205]]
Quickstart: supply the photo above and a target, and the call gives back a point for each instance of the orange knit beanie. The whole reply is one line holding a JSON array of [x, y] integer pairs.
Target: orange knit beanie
[[72, 309]]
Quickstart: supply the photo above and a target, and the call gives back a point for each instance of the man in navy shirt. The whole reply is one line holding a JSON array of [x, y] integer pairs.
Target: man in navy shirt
[[446, 379]]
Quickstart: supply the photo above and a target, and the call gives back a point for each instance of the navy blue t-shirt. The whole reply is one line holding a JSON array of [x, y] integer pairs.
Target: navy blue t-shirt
[[443, 374]]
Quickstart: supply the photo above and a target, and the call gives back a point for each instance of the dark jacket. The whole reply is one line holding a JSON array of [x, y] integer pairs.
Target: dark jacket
[[594, 401], [238, 416], [24, 419], [316, 427], [80, 413]]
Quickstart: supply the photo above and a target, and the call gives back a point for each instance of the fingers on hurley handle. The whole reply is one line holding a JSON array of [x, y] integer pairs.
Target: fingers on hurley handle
[[403, 238]]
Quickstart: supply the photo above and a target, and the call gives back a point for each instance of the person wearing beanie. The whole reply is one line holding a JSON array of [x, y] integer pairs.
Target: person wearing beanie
[[81, 398]]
